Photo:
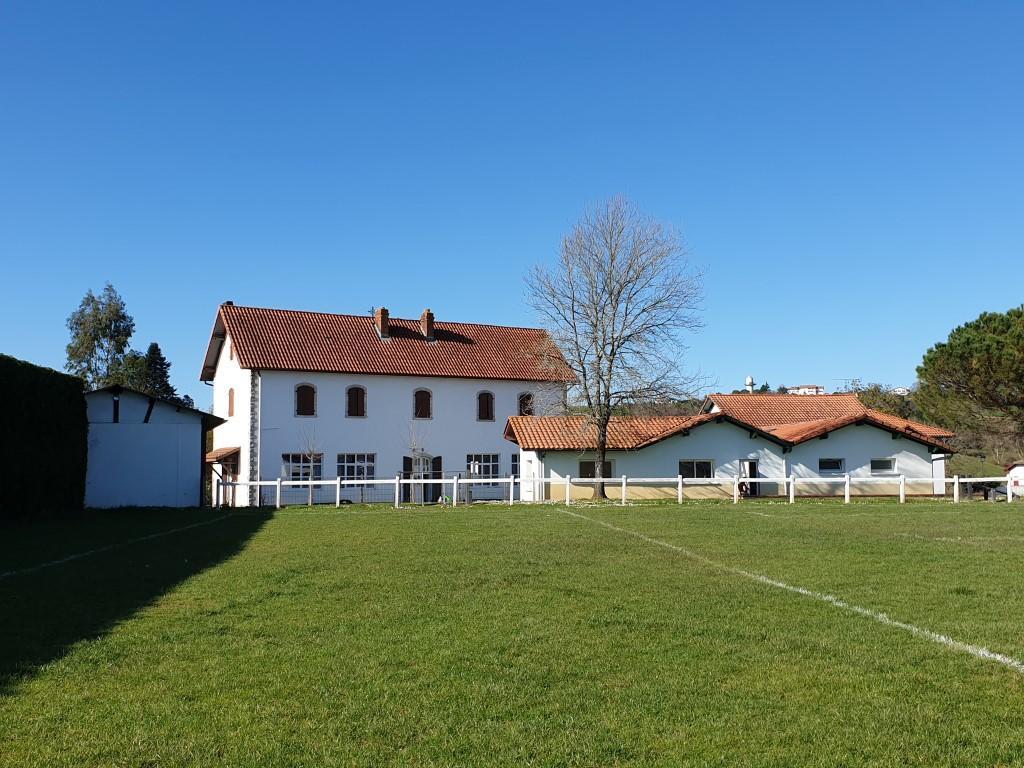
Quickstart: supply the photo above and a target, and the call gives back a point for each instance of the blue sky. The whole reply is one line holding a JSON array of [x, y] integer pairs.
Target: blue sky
[[849, 176]]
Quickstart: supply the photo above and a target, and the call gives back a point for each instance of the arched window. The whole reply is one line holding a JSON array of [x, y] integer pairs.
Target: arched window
[[526, 404], [231, 402], [305, 400], [422, 405], [485, 406], [355, 402]]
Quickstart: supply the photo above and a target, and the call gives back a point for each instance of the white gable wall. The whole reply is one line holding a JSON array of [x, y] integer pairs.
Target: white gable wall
[[857, 445], [133, 463], [235, 431]]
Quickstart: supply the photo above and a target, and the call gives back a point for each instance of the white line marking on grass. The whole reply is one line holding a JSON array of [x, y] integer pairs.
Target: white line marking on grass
[[108, 547], [959, 539], [977, 651]]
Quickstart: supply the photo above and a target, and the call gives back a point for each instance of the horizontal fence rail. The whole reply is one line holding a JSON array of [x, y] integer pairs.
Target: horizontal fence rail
[[456, 490]]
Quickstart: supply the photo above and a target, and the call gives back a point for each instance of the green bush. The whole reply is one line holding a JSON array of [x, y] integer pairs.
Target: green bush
[[43, 439]]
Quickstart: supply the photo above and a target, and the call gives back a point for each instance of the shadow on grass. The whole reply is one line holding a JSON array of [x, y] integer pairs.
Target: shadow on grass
[[43, 612]]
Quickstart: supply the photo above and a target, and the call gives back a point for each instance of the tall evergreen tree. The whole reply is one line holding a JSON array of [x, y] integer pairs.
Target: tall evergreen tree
[[158, 373], [100, 330]]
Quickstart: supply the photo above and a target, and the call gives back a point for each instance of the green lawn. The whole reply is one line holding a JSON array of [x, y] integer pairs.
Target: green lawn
[[515, 636]]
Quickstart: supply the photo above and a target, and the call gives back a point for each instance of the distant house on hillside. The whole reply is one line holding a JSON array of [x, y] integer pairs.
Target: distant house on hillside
[[806, 389], [317, 395], [745, 436]]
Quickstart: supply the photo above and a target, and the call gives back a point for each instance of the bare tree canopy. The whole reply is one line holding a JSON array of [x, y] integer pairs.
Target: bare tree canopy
[[616, 304]]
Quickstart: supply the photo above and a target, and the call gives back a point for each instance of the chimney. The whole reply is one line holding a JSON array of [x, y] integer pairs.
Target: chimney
[[427, 324], [380, 319]]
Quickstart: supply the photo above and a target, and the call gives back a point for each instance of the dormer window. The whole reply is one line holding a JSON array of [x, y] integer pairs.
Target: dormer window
[[305, 400], [355, 402], [485, 406]]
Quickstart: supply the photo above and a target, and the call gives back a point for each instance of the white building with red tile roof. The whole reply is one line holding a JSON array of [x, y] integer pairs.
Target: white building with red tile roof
[[747, 436], [312, 394]]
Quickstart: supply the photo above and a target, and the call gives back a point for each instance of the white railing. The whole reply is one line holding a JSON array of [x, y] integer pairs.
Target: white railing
[[563, 486]]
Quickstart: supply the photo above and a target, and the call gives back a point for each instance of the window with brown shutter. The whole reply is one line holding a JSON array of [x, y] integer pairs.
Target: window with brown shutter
[[231, 402], [305, 400], [355, 405], [422, 405], [526, 404], [485, 407]]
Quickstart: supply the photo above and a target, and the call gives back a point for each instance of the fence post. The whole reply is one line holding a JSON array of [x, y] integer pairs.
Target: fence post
[[511, 489], [337, 492], [455, 490], [398, 488], [736, 490], [1009, 489], [622, 501], [568, 489], [956, 489], [846, 489], [903, 489], [792, 489], [679, 489], [278, 487]]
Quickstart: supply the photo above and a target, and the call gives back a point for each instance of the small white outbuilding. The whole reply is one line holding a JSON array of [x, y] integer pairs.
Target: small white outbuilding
[[144, 451], [1015, 472]]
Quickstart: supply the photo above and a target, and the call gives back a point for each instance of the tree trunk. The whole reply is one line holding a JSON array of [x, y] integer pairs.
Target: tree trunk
[[602, 449]]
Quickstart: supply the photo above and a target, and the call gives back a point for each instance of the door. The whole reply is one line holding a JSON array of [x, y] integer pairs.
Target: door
[[406, 475], [753, 489], [436, 473]]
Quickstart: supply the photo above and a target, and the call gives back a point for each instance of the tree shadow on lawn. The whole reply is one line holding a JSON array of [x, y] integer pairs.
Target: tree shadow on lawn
[[44, 612]]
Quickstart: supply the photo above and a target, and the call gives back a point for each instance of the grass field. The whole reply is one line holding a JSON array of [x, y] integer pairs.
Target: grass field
[[531, 635]]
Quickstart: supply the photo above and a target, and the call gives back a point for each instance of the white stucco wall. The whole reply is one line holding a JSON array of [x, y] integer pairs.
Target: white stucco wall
[[389, 429], [132, 463], [1016, 475]]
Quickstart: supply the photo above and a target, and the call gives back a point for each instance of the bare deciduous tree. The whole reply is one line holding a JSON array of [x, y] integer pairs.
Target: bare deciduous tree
[[616, 305]]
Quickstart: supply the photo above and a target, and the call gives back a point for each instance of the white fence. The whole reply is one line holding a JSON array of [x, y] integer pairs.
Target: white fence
[[561, 488]]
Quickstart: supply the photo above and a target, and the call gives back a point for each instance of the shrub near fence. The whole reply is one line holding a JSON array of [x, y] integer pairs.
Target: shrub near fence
[[43, 434]]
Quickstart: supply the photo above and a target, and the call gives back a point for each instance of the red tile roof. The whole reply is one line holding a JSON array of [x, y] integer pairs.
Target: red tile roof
[[785, 419], [278, 339], [573, 433], [796, 418]]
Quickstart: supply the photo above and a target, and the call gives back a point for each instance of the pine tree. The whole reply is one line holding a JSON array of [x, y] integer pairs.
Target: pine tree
[[157, 379]]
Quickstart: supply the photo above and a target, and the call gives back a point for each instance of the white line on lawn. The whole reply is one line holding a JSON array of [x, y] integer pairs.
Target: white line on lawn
[[836, 602], [108, 547], [959, 539]]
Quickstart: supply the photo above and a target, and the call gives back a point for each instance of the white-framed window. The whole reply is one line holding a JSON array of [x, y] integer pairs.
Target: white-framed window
[[482, 465], [302, 466], [883, 466], [515, 464], [357, 466], [831, 466], [697, 468]]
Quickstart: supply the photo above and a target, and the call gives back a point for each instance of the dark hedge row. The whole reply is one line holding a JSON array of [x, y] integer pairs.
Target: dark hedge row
[[43, 440]]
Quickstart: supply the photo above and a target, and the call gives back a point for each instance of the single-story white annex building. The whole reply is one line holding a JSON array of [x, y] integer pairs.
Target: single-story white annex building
[[144, 451], [742, 435]]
